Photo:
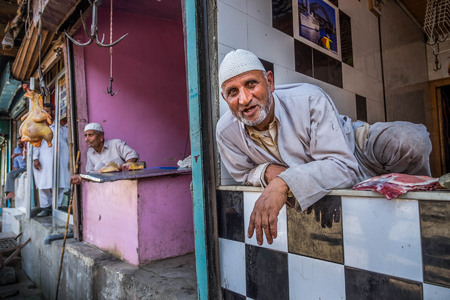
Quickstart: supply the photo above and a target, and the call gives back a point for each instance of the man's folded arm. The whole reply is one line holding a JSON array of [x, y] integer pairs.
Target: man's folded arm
[[239, 165]]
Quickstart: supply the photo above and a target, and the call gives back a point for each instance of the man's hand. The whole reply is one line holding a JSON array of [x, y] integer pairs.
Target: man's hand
[[126, 165], [266, 210], [37, 164], [75, 179], [273, 171]]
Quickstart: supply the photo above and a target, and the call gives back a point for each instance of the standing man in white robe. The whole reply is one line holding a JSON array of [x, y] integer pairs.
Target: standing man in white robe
[[43, 167]]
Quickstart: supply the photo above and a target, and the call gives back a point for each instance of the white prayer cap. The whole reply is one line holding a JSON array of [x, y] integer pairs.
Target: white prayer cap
[[238, 62], [93, 126]]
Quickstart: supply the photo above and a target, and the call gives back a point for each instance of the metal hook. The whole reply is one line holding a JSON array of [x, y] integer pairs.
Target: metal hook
[[436, 62], [94, 29], [42, 86], [110, 89]]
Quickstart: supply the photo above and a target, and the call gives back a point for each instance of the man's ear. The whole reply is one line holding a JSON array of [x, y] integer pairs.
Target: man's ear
[[270, 80]]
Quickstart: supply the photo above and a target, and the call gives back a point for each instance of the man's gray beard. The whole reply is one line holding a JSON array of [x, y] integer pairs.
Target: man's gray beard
[[263, 112]]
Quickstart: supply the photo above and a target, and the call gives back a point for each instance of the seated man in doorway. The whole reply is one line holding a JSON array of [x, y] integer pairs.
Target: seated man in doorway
[[292, 141], [103, 151], [19, 166]]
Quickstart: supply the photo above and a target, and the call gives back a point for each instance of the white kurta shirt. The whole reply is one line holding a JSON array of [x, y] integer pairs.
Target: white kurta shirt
[[315, 143], [113, 150], [44, 177]]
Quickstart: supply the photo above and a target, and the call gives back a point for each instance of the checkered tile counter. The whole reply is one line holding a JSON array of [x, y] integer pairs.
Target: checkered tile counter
[[344, 247]]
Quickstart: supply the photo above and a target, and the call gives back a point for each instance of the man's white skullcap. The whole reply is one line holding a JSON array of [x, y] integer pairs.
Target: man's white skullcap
[[238, 62], [93, 126]]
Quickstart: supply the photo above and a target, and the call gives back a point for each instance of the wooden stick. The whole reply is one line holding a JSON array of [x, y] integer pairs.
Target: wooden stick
[[72, 188]]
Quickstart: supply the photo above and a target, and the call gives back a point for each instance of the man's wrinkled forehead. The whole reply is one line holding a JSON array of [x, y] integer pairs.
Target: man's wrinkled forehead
[[242, 78], [91, 132]]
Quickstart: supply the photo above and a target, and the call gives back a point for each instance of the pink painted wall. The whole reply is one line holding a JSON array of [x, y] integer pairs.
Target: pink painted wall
[[150, 112], [140, 220], [110, 217], [166, 226]]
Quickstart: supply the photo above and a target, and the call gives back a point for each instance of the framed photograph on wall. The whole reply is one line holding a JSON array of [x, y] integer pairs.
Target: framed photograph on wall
[[316, 23]]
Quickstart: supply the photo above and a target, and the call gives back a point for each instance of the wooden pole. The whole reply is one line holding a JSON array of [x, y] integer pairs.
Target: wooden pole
[[72, 188]]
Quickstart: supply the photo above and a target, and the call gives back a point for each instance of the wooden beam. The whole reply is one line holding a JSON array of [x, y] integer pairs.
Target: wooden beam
[[11, 52], [51, 57], [8, 8], [82, 113], [21, 56], [27, 58], [72, 135], [47, 38], [54, 13]]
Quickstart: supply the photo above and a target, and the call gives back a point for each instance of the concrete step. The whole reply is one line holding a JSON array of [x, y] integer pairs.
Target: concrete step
[[23, 289]]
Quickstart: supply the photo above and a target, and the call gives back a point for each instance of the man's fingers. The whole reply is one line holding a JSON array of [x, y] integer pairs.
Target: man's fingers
[[259, 230], [273, 220], [251, 225], [266, 228]]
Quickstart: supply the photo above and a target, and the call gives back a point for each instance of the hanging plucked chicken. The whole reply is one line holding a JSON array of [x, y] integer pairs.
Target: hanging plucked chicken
[[35, 126]]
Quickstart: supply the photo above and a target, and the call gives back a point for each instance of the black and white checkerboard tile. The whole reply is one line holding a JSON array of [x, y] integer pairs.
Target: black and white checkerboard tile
[[341, 248]]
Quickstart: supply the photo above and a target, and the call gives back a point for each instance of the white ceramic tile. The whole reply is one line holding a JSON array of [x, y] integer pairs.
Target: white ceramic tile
[[222, 51], [359, 61], [231, 26], [260, 39], [315, 279], [284, 75], [240, 5], [283, 50], [260, 10], [433, 292], [280, 243], [382, 236], [360, 83], [367, 62], [223, 106], [232, 265], [343, 100], [225, 177]]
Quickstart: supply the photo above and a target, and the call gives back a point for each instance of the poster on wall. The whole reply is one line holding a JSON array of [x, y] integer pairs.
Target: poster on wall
[[62, 97], [317, 24]]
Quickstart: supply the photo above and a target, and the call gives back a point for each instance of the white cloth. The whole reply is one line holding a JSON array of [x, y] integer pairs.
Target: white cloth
[[44, 177], [315, 143], [45, 197], [113, 150]]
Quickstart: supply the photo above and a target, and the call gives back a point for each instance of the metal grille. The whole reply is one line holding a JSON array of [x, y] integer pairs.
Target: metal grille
[[8, 243], [437, 21]]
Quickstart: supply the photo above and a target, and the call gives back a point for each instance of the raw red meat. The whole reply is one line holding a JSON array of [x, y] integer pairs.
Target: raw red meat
[[394, 184]]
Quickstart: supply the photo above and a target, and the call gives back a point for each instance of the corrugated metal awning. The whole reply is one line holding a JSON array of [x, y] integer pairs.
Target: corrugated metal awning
[[8, 88]]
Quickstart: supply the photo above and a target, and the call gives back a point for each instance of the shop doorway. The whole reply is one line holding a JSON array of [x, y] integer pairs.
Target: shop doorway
[[440, 107]]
